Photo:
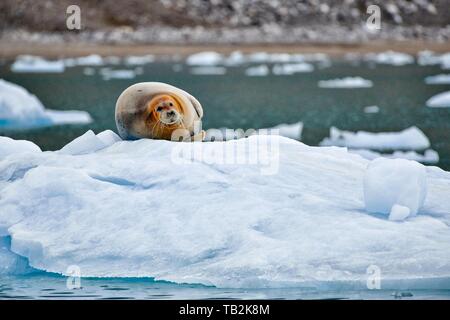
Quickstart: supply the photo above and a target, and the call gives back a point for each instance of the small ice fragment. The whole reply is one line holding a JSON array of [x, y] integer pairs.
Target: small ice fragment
[[399, 213]]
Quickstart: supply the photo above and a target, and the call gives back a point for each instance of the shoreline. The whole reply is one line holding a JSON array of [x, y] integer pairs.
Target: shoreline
[[11, 49]]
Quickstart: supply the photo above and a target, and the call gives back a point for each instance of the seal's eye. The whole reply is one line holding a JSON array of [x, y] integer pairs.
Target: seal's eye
[[159, 109], [171, 104]]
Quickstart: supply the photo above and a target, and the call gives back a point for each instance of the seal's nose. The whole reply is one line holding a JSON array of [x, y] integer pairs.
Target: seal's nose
[[171, 113]]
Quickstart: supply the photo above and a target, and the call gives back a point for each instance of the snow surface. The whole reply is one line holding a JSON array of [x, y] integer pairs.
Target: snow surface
[[411, 138], [438, 79], [347, 82], [35, 64], [389, 182], [21, 109], [293, 131], [429, 156], [441, 100], [169, 210]]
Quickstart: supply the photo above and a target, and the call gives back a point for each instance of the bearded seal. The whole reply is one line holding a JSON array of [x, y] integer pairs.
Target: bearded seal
[[158, 110]]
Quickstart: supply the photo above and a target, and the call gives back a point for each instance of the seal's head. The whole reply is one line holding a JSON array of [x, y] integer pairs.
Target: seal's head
[[165, 109], [157, 110]]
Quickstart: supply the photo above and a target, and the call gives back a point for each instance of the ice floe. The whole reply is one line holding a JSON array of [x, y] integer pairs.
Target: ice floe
[[411, 138], [90, 60], [208, 70], [258, 71], [438, 79], [180, 212], [35, 64], [390, 57], [426, 58], [347, 82], [139, 60], [441, 100], [396, 187], [292, 68], [207, 58], [108, 73], [293, 131], [372, 109], [21, 109]]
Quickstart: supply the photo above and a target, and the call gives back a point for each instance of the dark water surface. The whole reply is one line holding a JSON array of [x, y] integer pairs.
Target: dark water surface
[[237, 101]]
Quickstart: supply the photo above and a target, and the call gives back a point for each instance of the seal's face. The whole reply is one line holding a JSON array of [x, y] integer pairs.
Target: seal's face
[[165, 109], [163, 115]]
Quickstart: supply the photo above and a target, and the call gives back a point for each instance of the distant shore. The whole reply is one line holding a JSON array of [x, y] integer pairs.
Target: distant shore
[[10, 49]]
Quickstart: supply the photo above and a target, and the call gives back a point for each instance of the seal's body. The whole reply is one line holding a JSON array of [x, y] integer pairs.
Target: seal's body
[[158, 110]]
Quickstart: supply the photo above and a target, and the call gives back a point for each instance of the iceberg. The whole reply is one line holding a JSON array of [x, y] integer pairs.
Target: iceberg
[[347, 82], [411, 138], [21, 109], [182, 213], [35, 64], [441, 100], [438, 79]]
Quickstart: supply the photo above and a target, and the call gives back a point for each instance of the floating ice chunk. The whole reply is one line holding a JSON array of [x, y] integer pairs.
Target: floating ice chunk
[[10, 146], [292, 68], [27, 63], [411, 138], [426, 58], [389, 182], [258, 57], [68, 117], [139, 60], [91, 60], [441, 100], [348, 82], [292, 131], [438, 79], [399, 213], [208, 70], [89, 142], [372, 109], [20, 109], [390, 57], [207, 58], [257, 71], [429, 157], [109, 74], [235, 58]]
